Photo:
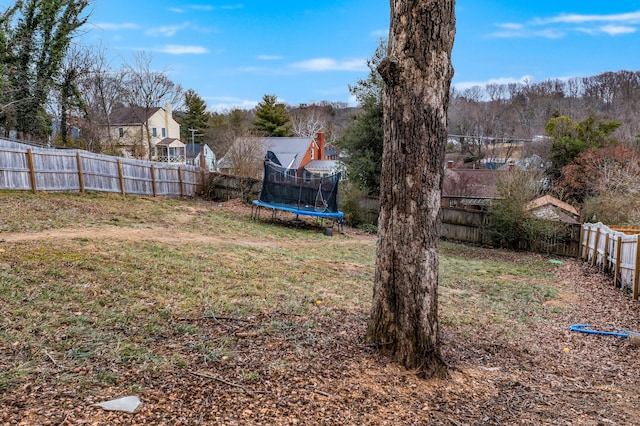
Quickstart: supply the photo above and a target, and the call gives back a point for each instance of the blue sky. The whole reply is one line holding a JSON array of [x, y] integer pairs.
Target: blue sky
[[233, 52]]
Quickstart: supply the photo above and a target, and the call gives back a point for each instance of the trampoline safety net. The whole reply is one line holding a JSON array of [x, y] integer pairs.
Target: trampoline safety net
[[309, 192]]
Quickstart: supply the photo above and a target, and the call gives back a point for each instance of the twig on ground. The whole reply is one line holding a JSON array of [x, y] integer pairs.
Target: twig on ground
[[211, 317], [217, 379], [66, 416], [52, 359], [318, 391]]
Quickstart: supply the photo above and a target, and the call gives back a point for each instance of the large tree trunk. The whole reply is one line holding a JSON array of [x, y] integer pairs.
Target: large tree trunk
[[417, 74]]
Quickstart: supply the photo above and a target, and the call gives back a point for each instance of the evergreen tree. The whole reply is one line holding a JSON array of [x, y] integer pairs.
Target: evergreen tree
[[6, 100], [272, 119], [38, 43], [363, 136], [196, 116]]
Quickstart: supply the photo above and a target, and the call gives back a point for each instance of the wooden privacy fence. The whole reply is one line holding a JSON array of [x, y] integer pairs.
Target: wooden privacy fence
[[474, 226], [23, 167], [465, 225], [615, 251]]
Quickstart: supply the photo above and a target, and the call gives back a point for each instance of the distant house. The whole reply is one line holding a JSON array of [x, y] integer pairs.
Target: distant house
[[551, 208], [476, 188], [201, 155], [469, 188], [298, 154], [146, 133]]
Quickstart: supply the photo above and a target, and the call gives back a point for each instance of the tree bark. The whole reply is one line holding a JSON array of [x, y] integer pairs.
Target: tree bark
[[417, 75]]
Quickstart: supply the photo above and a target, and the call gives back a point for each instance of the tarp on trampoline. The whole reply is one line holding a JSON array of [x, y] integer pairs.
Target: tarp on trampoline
[[302, 193]]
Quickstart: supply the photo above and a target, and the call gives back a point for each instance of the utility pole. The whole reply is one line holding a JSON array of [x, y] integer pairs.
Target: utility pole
[[193, 145]]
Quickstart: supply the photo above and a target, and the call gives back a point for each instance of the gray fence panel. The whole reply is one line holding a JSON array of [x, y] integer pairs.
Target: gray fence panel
[[57, 170], [100, 173], [14, 168]]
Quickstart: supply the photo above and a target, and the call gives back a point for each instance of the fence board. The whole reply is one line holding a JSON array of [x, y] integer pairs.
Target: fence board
[[24, 167], [613, 252]]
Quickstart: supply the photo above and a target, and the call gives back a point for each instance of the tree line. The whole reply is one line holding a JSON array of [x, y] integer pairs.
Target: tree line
[[586, 131]]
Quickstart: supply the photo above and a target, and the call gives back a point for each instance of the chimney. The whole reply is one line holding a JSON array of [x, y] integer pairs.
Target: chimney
[[321, 153], [203, 161]]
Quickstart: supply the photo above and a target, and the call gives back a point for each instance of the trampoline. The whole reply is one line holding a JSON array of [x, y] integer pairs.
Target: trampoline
[[299, 192]]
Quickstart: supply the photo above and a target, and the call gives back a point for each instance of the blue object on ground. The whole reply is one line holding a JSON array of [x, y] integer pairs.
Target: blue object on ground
[[584, 328]]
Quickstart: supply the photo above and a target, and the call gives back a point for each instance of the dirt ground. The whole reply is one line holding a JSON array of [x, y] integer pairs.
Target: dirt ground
[[326, 375]]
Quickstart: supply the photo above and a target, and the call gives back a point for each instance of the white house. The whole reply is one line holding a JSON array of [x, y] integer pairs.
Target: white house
[[137, 132], [201, 155]]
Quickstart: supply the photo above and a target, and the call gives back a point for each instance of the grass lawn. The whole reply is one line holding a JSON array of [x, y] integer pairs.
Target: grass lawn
[[211, 317]]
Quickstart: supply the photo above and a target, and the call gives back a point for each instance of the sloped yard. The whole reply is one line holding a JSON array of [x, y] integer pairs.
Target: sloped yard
[[210, 318]]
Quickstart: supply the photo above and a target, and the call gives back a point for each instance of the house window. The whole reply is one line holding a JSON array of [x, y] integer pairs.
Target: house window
[[154, 132], [313, 154], [120, 132], [164, 132]]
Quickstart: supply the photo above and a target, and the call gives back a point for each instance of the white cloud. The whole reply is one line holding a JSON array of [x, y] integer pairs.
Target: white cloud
[[209, 8], [561, 25], [511, 26], [226, 103], [328, 64], [232, 7], [176, 10], [111, 26], [269, 57], [575, 18], [525, 79], [205, 8], [617, 29], [523, 32], [166, 31], [176, 49]]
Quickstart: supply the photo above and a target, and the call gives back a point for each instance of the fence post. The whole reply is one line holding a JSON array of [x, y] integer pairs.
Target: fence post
[[121, 178], [605, 255], [616, 271], [636, 271], [153, 179], [181, 181], [586, 244], [203, 179], [32, 170], [80, 172], [594, 259]]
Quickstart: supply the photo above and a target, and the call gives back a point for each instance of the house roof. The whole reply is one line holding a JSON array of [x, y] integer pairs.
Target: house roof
[[321, 165], [289, 150], [131, 115], [470, 183], [548, 199], [193, 149], [172, 142]]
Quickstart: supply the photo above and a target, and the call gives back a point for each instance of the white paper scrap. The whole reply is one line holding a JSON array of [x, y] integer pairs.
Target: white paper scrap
[[128, 404]]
